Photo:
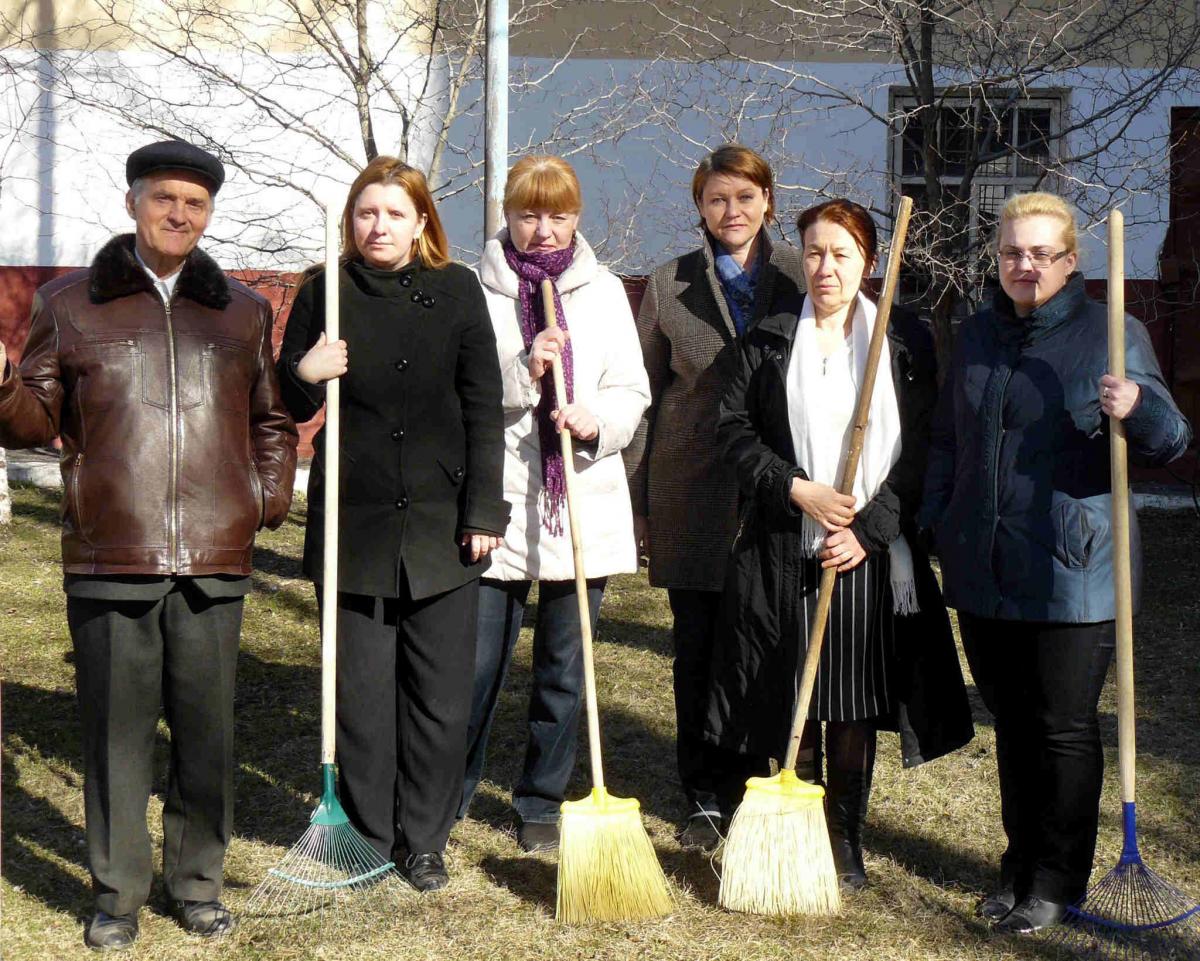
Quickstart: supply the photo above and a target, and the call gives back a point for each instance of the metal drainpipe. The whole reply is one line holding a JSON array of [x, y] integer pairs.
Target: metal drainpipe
[[496, 121]]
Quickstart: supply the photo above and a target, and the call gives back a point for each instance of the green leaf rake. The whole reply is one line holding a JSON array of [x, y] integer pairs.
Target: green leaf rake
[[331, 861]]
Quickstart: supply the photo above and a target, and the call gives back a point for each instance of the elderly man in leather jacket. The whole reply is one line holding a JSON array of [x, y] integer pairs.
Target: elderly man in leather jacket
[[155, 369]]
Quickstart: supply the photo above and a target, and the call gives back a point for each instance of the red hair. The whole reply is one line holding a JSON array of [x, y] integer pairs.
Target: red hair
[[852, 217], [431, 248]]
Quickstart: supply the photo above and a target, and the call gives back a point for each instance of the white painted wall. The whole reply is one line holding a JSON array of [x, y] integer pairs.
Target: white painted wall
[[62, 186]]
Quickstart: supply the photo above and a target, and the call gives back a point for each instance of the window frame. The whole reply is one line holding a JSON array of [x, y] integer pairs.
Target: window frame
[[975, 248]]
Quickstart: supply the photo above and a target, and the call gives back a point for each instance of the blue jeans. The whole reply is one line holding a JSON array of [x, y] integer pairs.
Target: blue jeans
[[557, 688]]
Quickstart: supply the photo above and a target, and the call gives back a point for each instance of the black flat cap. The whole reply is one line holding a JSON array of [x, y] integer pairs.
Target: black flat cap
[[174, 155]]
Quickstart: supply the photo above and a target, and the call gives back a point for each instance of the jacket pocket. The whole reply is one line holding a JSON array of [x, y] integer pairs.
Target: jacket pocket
[[1073, 535], [454, 472], [107, 371], [256, 486], [71, 501], [237, 505], [228, 374]]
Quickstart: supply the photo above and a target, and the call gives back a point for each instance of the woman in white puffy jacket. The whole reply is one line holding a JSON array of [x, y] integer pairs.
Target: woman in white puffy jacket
[[607, 390]]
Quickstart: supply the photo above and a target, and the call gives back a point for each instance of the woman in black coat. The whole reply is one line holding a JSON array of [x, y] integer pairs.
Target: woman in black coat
[[420, 506], [888, 660]]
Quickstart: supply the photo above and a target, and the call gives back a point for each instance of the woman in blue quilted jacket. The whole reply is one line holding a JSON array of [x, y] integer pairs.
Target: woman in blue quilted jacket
[[1018, 497]]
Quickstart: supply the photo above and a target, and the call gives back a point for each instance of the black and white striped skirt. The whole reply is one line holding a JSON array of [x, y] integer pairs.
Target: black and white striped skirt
[[853, 682]]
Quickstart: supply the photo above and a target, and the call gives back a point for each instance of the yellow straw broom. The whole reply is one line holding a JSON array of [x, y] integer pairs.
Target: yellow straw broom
[[777, 858], [607, 867]]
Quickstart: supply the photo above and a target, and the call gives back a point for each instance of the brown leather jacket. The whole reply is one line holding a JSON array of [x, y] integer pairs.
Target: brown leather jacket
[[176, 446]]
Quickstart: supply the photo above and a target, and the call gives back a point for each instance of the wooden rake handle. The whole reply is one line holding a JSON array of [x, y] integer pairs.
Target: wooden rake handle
[[333, 450], [581, 593], [816, 638], [1119, 465]]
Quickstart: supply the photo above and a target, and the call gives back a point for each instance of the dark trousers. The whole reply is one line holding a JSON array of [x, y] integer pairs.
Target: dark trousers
[[403, 695], [181, 651], [554, 704], [713, 779], [1042, 683]]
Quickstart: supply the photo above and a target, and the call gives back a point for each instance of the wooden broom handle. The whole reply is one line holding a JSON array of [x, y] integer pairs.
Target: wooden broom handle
[[1122, 568], [581, 592], [816, 638], [329, 566]]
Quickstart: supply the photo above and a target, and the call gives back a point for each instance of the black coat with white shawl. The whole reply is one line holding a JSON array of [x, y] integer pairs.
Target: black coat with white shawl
[[759, 640]]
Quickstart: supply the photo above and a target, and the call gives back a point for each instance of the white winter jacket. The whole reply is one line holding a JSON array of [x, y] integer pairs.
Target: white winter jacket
[[610, 382]]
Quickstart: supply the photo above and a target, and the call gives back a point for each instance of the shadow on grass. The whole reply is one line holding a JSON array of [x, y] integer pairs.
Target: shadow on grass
[[692, 870], [301, 602], [36, 838], [635, 634], [532, 879], [931, 859], [44, 510], [271, 561]]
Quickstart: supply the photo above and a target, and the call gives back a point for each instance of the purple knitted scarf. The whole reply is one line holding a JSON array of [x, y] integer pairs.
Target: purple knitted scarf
[[531, 269]]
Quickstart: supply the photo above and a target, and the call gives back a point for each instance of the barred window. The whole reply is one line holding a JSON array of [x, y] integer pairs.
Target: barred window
[[1003, 145]]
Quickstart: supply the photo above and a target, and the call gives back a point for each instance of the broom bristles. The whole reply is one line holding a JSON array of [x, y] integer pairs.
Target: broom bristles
[[329, 864], [777, 859], [1132, 914], [607, 867]]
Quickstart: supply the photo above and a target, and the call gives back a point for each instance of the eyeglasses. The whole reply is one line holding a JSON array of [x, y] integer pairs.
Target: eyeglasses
[[1039, 257]]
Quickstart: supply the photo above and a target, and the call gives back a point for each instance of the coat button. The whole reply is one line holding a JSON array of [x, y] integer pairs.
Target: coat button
[[406, 280], [397, 434], [401, 503], [401, 364], [417, 297], [428, 302]]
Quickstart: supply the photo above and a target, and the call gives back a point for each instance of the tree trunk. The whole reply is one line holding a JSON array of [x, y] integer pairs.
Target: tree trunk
[[5, 497], [943, 333]]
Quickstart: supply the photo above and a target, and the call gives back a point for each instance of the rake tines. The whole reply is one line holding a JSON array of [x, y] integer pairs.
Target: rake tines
[[1132, 914], [325, 869]]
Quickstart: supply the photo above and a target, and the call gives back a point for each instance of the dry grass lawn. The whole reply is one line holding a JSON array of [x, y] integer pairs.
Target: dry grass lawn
[[933, 837]]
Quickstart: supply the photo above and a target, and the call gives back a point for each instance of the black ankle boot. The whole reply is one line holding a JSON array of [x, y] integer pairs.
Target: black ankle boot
[[846, 810]]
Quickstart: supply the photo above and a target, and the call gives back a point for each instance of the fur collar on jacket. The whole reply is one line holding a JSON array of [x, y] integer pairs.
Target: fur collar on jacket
[[116, 273], [495, 274]]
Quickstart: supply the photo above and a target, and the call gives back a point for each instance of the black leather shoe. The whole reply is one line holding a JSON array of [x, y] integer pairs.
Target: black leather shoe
[[1031, 914], [111, 932], [209, 919], [997, 905], [425, 872], [701, 833], [534, 836]]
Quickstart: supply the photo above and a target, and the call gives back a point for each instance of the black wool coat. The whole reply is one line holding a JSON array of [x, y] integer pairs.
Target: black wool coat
[[760, 637], [422, 427]]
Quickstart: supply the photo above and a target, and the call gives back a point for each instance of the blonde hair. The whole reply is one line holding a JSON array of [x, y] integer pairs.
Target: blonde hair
[[431, 247], [1040, 204], [543, 183]]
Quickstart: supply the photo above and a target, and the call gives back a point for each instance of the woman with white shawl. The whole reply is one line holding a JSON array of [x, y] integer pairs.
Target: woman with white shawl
[[888, 660]]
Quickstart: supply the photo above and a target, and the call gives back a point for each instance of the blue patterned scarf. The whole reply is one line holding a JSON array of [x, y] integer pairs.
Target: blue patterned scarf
[[737, 284]]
